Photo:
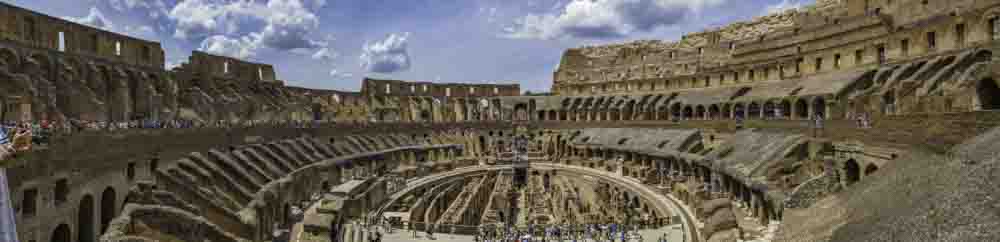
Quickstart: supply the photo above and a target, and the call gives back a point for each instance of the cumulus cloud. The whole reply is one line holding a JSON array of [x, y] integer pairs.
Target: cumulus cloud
[[242, 48], [784, 5], [94, 19], [386, 56], [601, 19], [155, 8], [275, 24], [140, 31]]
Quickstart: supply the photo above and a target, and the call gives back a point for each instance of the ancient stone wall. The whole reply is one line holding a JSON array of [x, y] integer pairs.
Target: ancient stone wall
[[51, 33], [375, 87], [208, 65]]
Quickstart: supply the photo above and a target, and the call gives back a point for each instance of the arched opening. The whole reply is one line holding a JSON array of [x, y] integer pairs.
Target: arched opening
[[852, 172], [699, 112], [785, 109], [61, 234], [675, 110], [727, 111], [770, 111], [107, 207], [989, 94], [738, 111], [521, 112], [482, 143], [819, 107], [85, 220], [801, 109], [286, 212], [754, 111], [545, 180], [688, 112], [713, 112], [317, 111], [870, 168]]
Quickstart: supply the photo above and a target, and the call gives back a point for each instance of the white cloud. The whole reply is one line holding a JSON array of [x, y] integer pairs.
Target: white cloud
[[242, 48], [94, 19], [155, 8], [324, 54], [173, 64], [336, 73], [490, 13], [277, 24], [598, 19], [386, 56], [141, 31], [783, 6]]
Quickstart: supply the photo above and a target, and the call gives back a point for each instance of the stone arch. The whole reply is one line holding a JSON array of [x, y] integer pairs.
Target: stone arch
[[738, 110], [785, 109], [108, 208], [629, 111], [714, 111], [688, 112], [770, 110], [44, 64], [727, 111], [753, 111], [870, 168], [852, 172], [532, 105], [699, 112], [85, 220], [819, 107], [675, 110], [801, 108], [988, 93], [9, 59], [61, 234]]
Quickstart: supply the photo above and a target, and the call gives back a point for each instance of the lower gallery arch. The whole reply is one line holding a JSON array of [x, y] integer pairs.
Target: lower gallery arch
[[801, 108], [785, 109], [108, 207], [870, 168], [852, 172], [85, 220], [61, 234], [989, 94], [819, 107]]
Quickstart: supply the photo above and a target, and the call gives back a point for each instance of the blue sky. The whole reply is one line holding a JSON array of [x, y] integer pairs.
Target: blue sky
[[333, 44]]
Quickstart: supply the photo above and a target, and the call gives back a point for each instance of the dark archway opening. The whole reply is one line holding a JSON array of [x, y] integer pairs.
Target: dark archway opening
[[802, 109], [989, 94], [754, 111], [819, 108], [852, 172], [870, 168], [107, 207], [85, 220], [61, 234], [785, 109]]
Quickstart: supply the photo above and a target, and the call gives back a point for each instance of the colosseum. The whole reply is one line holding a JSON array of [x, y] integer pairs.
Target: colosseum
[[846, 120]]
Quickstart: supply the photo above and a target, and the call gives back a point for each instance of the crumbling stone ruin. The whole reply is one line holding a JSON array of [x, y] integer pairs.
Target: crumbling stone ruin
[[848, 120]]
